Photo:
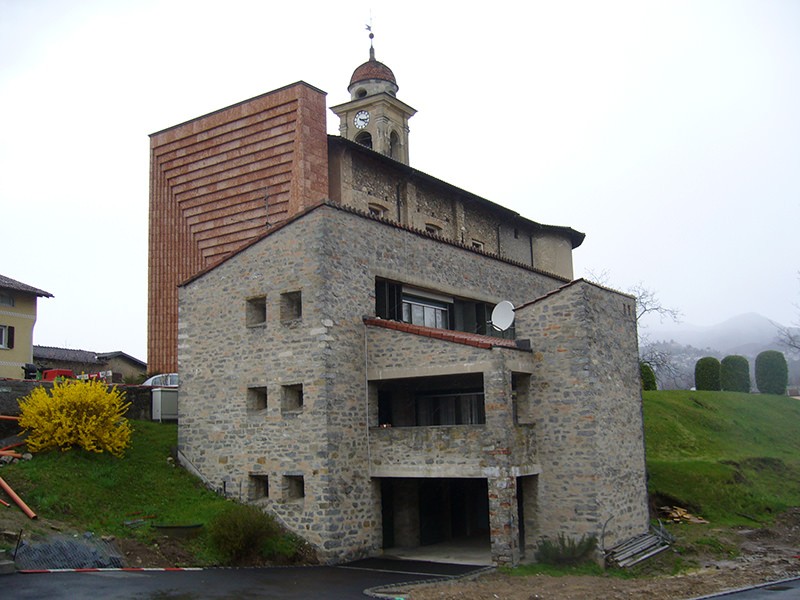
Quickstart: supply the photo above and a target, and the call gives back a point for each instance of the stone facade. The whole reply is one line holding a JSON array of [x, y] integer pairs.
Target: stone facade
[[297, 397]]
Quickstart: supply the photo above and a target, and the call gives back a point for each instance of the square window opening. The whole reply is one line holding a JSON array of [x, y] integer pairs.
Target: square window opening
[[258, 486], [256, 311], [291, 306], [256, 398], [292, 398], [294, 487]]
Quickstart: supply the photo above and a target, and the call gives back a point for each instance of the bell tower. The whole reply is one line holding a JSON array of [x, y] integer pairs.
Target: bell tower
[[374, 117]]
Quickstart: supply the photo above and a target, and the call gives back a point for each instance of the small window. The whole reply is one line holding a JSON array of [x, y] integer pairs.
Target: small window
[[376, 210], [432, 228], [258, 484], [294, 487], [291, 306], [256, 399], [361, 92], [292, 398], [478, 245], [6, 337], [6, 299], [256, 311]]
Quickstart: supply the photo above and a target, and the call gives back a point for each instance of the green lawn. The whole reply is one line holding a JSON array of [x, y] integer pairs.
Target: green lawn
[[732, 458]]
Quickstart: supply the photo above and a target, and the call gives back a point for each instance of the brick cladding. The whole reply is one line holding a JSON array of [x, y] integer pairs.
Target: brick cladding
[[216, 182]]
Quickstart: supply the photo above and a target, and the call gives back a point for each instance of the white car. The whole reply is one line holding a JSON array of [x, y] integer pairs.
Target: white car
[[163, 380]]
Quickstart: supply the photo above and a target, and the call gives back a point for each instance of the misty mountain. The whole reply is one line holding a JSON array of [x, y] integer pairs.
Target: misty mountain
[[747, 335], [749, 332]]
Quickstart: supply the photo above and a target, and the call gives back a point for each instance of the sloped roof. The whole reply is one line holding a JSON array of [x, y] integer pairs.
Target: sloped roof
[[80, 356], [12, 284]]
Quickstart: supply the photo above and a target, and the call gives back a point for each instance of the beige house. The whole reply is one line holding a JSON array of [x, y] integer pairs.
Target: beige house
[[17, 318]]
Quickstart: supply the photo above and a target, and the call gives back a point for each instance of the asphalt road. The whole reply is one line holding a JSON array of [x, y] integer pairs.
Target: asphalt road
[[788, 589], [288, 583]]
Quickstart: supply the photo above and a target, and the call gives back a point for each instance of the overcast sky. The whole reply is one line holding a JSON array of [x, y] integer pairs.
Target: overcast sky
[[668, 132]]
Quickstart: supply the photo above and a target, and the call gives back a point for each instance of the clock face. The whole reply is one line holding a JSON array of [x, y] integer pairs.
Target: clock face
[[361, 119]]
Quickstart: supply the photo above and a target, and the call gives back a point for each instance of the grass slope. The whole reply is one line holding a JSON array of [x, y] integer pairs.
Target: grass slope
[[730, 457], [101, 493]]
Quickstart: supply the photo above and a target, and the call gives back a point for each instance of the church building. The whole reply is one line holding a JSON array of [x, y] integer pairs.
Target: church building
[[378, 358]]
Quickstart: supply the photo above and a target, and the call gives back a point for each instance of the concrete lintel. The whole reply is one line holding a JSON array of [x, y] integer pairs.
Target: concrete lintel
[[380, 374], [428, 471]]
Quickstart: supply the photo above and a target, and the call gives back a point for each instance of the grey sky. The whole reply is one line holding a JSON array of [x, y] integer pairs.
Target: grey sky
[[668, 132]]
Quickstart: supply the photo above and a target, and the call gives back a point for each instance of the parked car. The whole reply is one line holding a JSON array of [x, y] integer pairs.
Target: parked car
[[163, 380]]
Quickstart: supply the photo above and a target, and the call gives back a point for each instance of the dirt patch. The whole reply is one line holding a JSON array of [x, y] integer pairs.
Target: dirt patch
[[717, 560]]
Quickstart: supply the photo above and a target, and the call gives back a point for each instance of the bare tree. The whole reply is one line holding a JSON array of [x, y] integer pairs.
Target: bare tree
[[648, 302], [789, 336]]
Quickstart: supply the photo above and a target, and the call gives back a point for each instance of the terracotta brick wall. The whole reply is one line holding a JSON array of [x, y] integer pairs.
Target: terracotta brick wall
[[216, 182]]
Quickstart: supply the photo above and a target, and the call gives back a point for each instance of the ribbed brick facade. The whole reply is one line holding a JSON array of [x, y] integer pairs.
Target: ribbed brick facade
[[219, 181]]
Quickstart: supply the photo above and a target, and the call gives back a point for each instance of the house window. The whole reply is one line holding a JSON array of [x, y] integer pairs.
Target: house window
[[292, 398], [398, 302], [424, 311], [291, 306], [294, 487], [256, 399], [256, 311], [450, 409], [258, 484], [6, 299], [6, 337]]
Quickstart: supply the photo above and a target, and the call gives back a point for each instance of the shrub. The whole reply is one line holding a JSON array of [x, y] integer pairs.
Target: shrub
[[648, 377], [706, 374], [772, 372], [87, 414], [566, 551], [734, 374], [240, 532]]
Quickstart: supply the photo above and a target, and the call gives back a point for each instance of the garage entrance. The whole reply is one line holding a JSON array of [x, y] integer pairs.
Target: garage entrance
[[421, 512]]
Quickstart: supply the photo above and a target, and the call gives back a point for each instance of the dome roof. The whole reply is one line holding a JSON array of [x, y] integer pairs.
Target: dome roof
[[372, 69]]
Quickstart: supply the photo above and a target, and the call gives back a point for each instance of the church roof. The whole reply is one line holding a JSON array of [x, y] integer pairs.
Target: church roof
[[372, 69]]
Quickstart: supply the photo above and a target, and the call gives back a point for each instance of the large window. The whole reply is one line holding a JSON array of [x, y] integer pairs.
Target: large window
[[399, 302], [431, 401], [450, 409], [423, 311]]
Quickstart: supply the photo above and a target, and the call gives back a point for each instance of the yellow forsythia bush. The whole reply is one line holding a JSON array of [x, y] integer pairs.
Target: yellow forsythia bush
[[86, 414]]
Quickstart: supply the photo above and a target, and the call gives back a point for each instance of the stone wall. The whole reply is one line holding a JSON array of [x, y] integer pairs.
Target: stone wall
[[360, 179], [309, 464], [586, 403]]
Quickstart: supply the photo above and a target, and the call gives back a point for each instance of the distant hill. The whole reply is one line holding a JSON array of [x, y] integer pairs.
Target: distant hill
[[748, 335]]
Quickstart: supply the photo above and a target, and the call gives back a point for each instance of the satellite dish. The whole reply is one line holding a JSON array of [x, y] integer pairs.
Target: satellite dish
[[503, 315]]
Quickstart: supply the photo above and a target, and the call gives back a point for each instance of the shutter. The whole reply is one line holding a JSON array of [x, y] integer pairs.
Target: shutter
[[10, 343]]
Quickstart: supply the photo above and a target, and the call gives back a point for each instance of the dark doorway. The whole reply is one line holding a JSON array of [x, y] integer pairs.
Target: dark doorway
[[421, 512]]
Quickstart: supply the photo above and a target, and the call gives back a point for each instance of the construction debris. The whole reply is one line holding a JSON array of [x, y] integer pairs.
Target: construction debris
[[676, 514], [638, 548], [11, 494]]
